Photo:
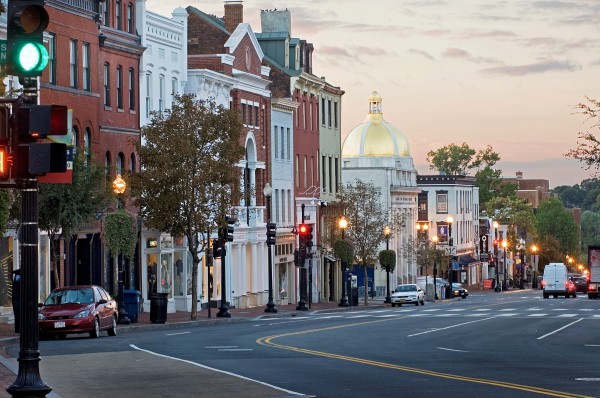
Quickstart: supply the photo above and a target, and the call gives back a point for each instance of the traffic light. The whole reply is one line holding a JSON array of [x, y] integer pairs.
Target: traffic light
[[5, 159], [302, 231], [298, 260], [32, 122], [217, 249], [25, 25], [229, 229], [271, 233], [309, 236]]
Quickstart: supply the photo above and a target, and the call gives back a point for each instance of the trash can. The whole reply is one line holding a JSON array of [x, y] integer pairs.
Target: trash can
[[131, 304], [158, 307], [354, 297]]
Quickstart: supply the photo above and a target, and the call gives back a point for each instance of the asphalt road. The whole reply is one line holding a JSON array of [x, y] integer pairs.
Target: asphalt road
[[512, 344]]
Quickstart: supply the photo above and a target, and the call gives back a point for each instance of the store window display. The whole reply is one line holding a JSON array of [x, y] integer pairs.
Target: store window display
[[166, 272]]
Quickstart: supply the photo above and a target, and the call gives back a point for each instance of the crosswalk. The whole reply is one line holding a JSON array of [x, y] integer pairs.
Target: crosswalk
[[589, 313]]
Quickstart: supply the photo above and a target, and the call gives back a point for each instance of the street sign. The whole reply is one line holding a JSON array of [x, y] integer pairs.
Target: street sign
[[3, 51]]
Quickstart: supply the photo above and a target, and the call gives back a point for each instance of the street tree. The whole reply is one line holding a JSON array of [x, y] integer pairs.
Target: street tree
[[189, 181], [515, 212], [367, 216], [64, 208], [555, 221], [453, 159], [120, 237], [587, 150]]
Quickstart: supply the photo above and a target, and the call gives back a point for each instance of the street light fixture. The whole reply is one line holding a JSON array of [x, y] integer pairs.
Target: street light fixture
[[387, 231], [534, 249], [343, 224], [504, 246], [450, 220], [495, 224], [119, 186], [435, 241], [268, 191]]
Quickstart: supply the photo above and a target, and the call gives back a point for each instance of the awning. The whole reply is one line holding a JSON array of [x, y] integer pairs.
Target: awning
[[466, 259]]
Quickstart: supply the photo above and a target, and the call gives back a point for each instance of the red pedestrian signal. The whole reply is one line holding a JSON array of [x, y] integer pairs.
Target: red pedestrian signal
[[4, 162], [32, 122]]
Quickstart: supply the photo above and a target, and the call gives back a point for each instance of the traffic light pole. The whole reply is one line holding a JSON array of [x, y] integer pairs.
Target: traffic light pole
[[302, 302], [29, 382]]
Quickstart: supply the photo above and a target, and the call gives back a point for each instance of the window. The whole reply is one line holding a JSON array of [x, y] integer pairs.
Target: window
[[289, 143], [87, 79], [107, 161], [276, 140], [337, 175], [174, 86], [120, 163], [161, 93], [87, 153], [305, 170], [131, 89], [243, 113], [329, 113], [73, 63], [282, 144], [52, 59], [119, 87], [132, 163], [106, 13], [323, 171], [106, 85], [323, 111], [297, 168], [148, 96], [249, 115], [442, 202], [329, 171], [335, 115], [118, 14], [256, 123], [130, 18]]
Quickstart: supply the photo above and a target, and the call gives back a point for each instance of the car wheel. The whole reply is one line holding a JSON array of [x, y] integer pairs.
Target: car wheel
[[422, 301], [95, 333], [61, 336], [464, 296], [113, 329], [546, 295], [393, 305], [399, 305]]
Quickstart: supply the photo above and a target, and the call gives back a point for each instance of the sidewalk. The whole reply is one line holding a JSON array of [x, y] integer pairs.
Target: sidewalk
[[9, 366]]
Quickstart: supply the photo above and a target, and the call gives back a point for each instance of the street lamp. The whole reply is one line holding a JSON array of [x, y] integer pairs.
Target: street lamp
[[119, 187], [496, 255], [534, 249], [435, 241], [387, 231], [268, 191], [343, 224], [450, 220], [504, 246]]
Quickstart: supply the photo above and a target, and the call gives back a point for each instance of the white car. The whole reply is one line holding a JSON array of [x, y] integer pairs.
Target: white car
[[410, 293]]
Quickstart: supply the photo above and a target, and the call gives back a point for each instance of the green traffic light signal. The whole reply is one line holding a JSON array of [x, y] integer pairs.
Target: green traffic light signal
[[26, 22]]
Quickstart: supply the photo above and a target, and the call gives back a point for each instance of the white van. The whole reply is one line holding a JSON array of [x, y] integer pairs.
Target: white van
[[555, 281]]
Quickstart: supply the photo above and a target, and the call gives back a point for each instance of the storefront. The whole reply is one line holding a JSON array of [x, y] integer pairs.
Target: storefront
[[167, 268], [284, 274]]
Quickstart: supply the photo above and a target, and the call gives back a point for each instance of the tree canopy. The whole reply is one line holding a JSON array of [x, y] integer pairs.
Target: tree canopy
[[189, 180], [453, 159], [555, 221], [587, 150]]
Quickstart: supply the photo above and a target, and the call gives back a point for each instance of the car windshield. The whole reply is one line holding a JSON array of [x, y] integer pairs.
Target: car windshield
[[406, 288], [70, 296]]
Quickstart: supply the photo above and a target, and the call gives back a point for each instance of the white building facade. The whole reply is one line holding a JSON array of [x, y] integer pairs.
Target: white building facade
[[376, 151]]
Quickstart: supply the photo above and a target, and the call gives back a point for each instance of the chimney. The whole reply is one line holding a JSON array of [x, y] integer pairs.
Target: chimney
[[234, 14], [519, 175]]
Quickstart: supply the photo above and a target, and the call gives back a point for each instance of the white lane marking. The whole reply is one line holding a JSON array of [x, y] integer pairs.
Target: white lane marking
[[358, 316], [587, 378], [567, 315], [175, 334], [215, 370], [236, 349], [385, 316], [507, 309], [508, 314], [592, 345], [559, 329], [450, 327], [219, 347], [450, 349], [534, 315]]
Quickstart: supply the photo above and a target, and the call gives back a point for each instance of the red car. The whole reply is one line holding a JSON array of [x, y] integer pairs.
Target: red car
[[78, 309]]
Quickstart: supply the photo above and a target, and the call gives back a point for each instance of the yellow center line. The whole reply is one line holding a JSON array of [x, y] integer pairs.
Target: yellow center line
[[269, 342]]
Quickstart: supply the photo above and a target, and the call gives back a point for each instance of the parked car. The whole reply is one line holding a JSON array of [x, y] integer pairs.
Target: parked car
[[410, 293], [78, 309], [458, 290], [581, 283]]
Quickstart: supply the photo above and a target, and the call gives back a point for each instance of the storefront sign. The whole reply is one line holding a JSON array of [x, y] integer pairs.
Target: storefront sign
[[151, 243]]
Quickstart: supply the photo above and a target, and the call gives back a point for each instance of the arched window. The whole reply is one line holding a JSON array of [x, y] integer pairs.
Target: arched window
[[87, 151], [107, 166], [120, 163], [132, 163]]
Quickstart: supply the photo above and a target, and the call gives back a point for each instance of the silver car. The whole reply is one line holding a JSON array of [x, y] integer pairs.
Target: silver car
[[410, 293]]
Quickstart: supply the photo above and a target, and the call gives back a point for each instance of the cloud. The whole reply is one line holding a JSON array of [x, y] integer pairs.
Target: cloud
[[457, 53], [496, 33], [535, 68], [421, 53]]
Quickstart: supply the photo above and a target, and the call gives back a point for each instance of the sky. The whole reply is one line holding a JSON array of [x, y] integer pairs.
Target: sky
[[486, 72]]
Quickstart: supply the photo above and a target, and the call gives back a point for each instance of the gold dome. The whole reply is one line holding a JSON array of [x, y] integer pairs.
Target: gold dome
[[375, 136]]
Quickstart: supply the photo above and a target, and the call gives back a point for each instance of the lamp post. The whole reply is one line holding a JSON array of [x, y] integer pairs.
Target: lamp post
[[435, 241], [343, 224], [534, 249], [522, 282], [387, 231], [119, 187], [504, 246], [496, 256], [268, 191], [450, 220]]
